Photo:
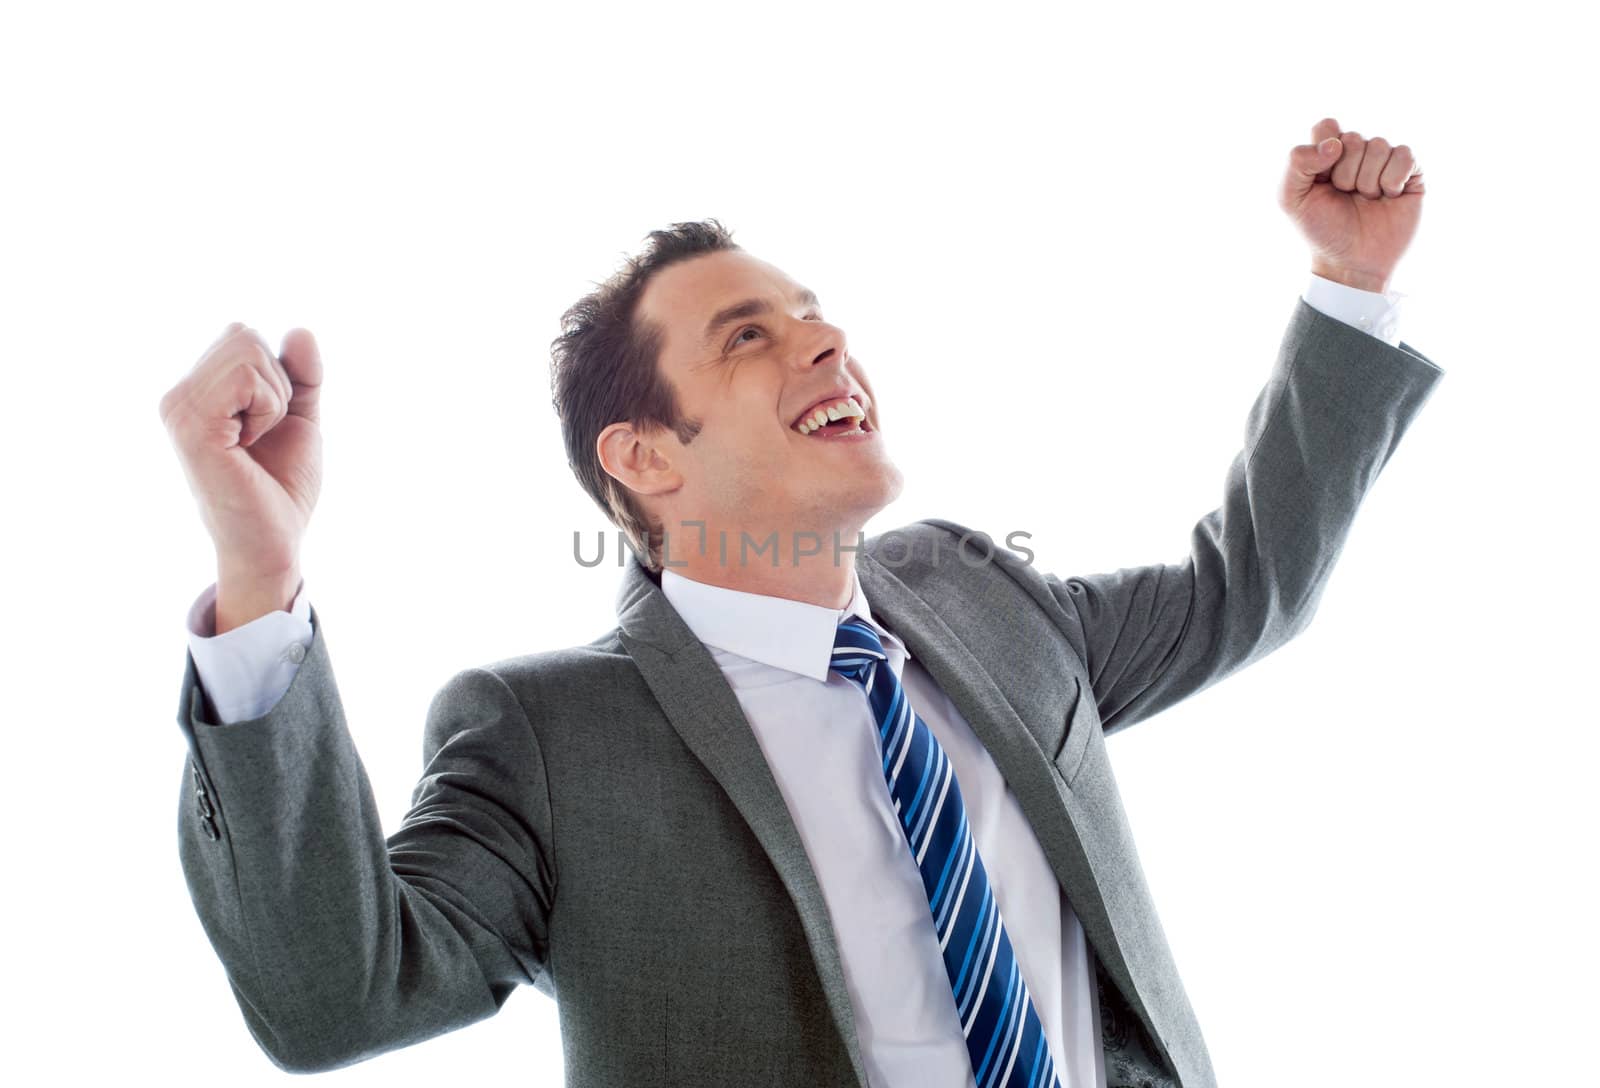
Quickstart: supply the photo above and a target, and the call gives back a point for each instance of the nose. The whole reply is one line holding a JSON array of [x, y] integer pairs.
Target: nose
[[826, 346]]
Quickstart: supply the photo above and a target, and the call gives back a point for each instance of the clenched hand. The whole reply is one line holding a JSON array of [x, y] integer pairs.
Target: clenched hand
[[1356, 200], [246, 427]]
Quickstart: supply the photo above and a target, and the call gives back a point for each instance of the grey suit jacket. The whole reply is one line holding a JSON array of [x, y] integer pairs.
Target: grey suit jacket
[[599, 822]]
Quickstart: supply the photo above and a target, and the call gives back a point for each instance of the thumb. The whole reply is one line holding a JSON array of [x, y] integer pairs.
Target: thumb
[[1306, 161], [303, 362]]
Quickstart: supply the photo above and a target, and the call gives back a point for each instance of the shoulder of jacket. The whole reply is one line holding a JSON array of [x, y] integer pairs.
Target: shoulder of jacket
[[943, 560], [939, 544], [566, 668]]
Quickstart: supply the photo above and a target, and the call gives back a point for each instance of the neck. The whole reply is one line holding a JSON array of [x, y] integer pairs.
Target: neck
[[813, 566]]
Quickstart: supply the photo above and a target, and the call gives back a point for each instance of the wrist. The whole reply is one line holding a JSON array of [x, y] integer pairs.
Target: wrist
[[242, 598], [1363, 281]]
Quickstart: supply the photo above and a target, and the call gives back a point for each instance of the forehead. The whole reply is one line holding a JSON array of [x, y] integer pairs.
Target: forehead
[[682, 297]]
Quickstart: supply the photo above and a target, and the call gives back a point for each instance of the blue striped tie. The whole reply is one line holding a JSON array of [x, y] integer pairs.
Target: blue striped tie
[[1004, 1037]]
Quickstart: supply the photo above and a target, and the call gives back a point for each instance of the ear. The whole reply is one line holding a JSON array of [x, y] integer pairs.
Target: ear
[[634, 459]]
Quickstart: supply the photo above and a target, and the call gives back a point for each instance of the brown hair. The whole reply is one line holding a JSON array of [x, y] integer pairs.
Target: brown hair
[[604, 369]]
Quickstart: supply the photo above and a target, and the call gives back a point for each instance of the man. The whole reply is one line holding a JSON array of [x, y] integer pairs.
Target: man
[[817, 811]]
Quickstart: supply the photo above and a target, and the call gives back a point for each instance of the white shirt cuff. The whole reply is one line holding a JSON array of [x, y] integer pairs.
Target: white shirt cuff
[[1373, 312], [245, 671]]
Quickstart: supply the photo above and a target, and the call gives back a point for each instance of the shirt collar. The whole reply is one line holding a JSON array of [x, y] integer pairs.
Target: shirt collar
[[775, 631]]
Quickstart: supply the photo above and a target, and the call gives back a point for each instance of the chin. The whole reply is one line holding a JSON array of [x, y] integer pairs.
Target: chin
[[875, 492], [842, 500], [893, 486]]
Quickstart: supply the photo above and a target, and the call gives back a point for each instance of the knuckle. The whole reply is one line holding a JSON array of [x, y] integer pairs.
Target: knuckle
[[175, 406], [251, 358], [181, 426], [1351, 138], [222, 352], [244, 378], [241, 336]]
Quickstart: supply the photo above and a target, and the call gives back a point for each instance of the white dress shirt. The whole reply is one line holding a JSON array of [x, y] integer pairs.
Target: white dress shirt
[[816, 732]]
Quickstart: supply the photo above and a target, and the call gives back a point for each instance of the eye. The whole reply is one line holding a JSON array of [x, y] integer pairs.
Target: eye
[[738, 337]]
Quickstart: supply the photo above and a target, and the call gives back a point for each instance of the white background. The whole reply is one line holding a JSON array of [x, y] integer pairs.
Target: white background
[[1052, 236]]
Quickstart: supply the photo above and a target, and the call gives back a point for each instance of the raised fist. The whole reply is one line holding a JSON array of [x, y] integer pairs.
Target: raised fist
[[245, 425], [1357, 200]]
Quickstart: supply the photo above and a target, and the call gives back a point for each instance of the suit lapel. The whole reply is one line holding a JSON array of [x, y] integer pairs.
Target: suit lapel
[[696, 698], [1025, 767]]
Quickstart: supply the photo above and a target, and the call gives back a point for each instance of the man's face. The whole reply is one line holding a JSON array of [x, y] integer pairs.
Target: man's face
[[748, 352]]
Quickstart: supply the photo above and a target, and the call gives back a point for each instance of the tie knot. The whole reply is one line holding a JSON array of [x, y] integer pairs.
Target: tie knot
[[856, 650]]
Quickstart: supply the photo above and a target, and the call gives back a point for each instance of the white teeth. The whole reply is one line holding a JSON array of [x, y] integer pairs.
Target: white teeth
[[845, 409]]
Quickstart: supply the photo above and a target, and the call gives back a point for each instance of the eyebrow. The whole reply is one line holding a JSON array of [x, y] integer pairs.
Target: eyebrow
[[750, 307]]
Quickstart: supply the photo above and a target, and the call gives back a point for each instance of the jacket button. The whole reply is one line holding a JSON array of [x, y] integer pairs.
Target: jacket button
[[203, 802], [211, 829]]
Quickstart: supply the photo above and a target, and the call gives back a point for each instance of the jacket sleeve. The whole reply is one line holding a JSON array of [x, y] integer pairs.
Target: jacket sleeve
[[1321, 430], [339, 944]]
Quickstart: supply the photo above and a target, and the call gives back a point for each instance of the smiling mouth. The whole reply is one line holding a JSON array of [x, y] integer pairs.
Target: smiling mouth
[[840, 416]]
